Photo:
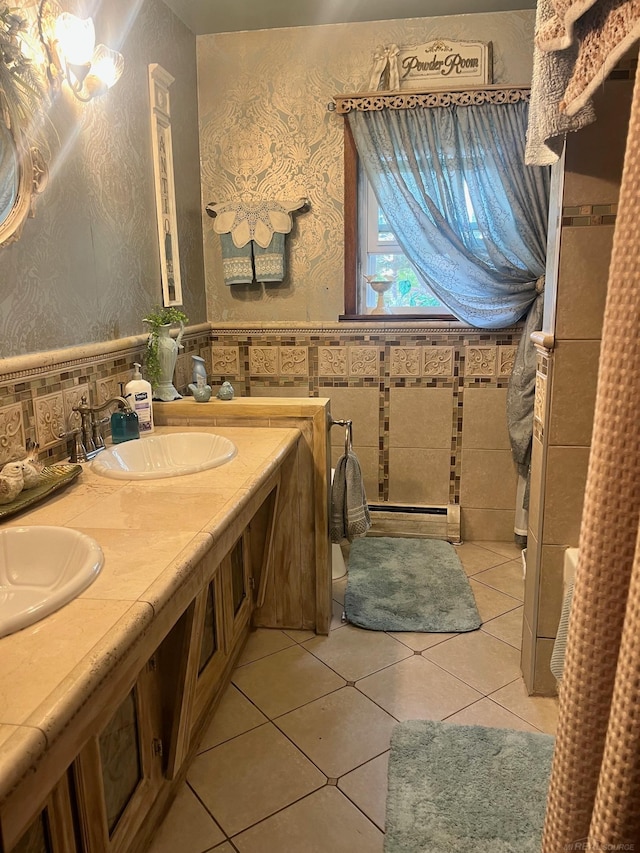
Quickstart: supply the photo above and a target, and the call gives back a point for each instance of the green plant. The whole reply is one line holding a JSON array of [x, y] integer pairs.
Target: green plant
[[158, 317]]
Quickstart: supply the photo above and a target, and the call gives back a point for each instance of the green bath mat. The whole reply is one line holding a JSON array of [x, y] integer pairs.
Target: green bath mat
[[468, 789], [408, 585]]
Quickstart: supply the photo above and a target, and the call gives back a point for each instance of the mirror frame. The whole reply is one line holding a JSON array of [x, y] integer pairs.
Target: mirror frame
[[32, 180]]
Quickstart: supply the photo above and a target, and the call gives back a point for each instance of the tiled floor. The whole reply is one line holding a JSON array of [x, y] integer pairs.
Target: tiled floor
[[296, 756]]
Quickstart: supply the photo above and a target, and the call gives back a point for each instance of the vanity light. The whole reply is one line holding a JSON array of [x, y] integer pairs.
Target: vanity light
[[89, 70]]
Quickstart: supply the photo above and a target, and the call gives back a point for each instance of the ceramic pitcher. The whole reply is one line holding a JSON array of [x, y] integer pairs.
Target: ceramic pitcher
[[167, 355]]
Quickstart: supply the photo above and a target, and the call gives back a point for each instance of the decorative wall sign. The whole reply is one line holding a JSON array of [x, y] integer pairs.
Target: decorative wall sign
[[443, 64], [159, 82]]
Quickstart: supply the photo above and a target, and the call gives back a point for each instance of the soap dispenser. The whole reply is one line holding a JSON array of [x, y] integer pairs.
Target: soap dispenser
[[124, 425], [138, 394]]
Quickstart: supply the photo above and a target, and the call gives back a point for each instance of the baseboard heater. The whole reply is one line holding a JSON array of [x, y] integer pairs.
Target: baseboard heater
[[429, 522]]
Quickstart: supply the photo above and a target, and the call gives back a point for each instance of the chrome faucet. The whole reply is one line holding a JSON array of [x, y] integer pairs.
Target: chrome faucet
[[88, 439]]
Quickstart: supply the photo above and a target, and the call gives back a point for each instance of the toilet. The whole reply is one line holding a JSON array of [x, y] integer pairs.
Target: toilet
[[338, 567]]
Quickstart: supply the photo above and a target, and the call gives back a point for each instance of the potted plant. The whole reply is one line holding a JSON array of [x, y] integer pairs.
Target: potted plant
[[162, 350]]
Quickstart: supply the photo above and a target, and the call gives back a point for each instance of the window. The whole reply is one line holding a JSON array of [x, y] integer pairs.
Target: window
[[380, 255], [371, 248]]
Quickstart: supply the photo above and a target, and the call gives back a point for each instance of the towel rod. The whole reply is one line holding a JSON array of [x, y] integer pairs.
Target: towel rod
[[348, 432]]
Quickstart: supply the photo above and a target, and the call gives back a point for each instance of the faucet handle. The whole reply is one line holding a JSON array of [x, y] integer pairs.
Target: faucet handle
[[96, 429], [77, 450]]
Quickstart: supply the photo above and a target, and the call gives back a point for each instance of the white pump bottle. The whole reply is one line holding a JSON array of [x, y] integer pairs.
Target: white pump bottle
[[137, 392]]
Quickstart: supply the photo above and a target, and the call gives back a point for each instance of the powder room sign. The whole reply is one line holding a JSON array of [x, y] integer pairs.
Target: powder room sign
[[443, 64]]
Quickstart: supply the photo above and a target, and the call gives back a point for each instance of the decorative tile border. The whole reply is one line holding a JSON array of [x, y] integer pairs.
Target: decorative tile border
[[437, 361], [590, 214], [480, 361], [506, 359], [72, 397], [332, 361], [225, 361], [50, 423], [294, 361], [364, 361], [263, 361], [12, 438]]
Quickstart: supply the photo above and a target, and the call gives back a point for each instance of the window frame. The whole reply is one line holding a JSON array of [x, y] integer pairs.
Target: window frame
[[352, 262]]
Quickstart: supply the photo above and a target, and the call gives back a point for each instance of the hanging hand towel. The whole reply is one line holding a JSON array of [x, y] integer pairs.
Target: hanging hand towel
[[349, 511], [269, 262], [237, 266]]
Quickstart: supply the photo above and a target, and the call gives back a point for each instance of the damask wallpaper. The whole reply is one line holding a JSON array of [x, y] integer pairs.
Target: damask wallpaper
[[87, 267], [265, 133]]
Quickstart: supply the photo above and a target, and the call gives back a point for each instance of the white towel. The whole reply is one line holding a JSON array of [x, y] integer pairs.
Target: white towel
[[349, 511]]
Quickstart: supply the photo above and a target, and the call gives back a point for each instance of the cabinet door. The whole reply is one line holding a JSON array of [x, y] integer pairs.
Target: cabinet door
[[54, 829], [119, 772], [236, 580], [211, 648]]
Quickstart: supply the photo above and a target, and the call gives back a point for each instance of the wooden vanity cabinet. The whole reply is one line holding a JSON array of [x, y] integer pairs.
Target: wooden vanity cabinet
[[134, 748]]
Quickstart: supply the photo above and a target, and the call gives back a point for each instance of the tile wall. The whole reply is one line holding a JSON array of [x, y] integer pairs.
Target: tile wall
[[567, 372], [427, 405]]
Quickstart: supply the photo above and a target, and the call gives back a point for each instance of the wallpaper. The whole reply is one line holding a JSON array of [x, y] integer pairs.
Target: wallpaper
[[266, 133], [87, 267]]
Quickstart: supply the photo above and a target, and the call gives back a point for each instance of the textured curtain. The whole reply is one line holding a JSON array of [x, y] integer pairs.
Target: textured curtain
[[467, 212]]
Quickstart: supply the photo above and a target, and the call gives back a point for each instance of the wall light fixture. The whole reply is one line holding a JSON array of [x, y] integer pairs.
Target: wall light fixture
[[89, 69]]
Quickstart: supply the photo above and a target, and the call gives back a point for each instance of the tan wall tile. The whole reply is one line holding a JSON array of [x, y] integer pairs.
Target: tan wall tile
[[573, 392], [488, 479], [285, 391], [536, 486], [528, 656], [484, 424], [359, 405], [491, 525], [532, 582], [419, 476], [544, 682], [585, 253], [420, 417], [591, 178], [550, 594], [565, 481]]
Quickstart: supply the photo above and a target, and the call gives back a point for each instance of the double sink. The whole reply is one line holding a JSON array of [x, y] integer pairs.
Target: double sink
[[43, 568]]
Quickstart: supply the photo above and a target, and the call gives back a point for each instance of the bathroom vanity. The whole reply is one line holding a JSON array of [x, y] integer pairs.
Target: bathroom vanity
[[102, 703]]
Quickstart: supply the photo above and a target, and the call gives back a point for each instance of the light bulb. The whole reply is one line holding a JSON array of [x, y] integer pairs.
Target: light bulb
[[76, 38], [107, 65]]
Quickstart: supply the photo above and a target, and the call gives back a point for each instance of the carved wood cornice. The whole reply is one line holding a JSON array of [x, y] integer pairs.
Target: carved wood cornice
[[409, 100]]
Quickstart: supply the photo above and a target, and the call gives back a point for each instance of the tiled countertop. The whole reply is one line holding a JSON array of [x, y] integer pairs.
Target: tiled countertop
[[153, 535]]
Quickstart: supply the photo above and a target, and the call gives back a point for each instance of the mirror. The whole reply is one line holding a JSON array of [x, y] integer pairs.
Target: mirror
[[23, 173]]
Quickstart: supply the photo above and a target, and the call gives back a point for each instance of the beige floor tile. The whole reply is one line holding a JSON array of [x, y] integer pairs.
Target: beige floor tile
[[252, 776], [506, 549], [285, 680], [480, 660], [263, 642], [507, 627], [507, 578], [224, 848], [234, 716], [540, 711], [340, 731], [488, 713], [366, 787], [188, 827], [475, 558], [491, 602], [324, 822], [419, 642], [338, 589], [415, 688], [353, 652]]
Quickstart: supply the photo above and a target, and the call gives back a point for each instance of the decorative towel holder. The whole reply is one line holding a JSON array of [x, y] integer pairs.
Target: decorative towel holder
[[348, 432]]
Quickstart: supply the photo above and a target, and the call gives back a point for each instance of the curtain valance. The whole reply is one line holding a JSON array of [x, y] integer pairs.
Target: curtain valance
[[409, 100]]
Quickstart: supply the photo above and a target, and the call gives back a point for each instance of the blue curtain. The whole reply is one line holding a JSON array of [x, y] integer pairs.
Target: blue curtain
[[465, 209]]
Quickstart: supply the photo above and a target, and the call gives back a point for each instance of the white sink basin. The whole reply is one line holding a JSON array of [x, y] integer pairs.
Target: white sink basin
[[41, 569], [164, 456]]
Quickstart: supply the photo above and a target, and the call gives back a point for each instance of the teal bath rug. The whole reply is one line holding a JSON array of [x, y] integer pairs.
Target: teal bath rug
[[468, 789], [408, 585]]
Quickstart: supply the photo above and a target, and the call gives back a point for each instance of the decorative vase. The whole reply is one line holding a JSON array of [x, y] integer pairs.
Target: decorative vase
[[380, 287], [199, 370], [167, 355]]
